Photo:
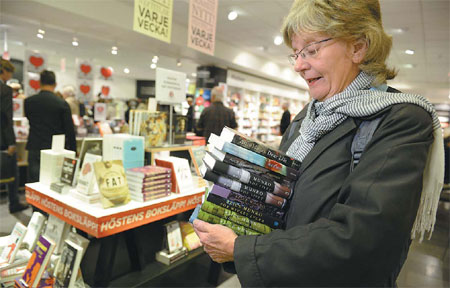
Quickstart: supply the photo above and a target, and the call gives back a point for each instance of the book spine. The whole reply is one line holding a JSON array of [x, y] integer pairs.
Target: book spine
[[245, 190], [238, 229], [260, 160], [240, 208], [253, 180], [235, 217], [266, 151], [255, 169]]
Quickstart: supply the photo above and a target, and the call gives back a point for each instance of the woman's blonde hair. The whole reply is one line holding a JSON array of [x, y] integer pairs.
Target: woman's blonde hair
[[348, 20]]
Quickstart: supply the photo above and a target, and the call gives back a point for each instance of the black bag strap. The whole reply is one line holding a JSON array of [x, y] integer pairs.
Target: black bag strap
[[362, 137]]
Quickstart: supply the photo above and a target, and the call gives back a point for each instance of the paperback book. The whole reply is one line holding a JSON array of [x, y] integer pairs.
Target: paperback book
[[181, 173], [14, 241], [34, 230], [66, 270], [87, 184], [56, 230], [112, 183], [150, 171], [68, 171]]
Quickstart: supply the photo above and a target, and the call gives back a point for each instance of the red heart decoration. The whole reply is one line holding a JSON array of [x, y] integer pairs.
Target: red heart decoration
[[85, 68], [85, 89], [105, 90], [106, 72], [36, 61], [16, 106], [35, 84], [100, 109]]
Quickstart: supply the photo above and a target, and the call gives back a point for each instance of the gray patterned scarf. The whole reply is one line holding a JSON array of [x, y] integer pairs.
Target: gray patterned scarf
[[358, 101]]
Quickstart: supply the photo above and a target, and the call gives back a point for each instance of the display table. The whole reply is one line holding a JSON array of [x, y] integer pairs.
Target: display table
[[99, 222]]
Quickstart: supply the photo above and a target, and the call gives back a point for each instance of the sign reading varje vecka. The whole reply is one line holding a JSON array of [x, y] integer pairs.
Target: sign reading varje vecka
[[153, 18], [202, 25], [170, 86]]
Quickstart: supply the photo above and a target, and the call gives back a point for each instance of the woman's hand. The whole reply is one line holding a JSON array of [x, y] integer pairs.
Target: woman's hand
[[217, 240]]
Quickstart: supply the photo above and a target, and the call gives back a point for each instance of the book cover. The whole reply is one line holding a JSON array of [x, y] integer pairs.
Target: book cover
[[37, 263], [56, 230], [67, 268], [10, 274], [253, 157], [245, 177], [238, 229], [148, 171], [34, 230], [262, 196], [235, 137], [21, 259], [190, 238], [234, 217], [254, 213], [173, 236], [87, 183], [14, 241], [112, 183], [250, 167], [79, 240], [181, 173], [68, 171], [92, 146]]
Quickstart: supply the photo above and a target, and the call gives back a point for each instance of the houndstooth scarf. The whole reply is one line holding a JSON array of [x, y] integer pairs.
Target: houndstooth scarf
[[358, 101]]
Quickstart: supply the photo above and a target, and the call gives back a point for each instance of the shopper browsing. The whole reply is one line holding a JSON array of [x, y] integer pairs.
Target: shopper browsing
[[48, 115], [344, 228], [285, 118], [216, 116]]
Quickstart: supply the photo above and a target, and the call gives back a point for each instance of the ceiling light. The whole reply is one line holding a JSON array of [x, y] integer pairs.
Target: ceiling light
[[179, 63], [126, 70], [75, 42], [155, 59], [114, 50], [232, 15], [40, 31], [409, 52], [39, 35], [153, 66], [409, 66], [397, 30], [188, 80], [278, 40], [194, 74]]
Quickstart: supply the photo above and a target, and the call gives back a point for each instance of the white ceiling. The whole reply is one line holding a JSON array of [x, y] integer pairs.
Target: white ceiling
[[104, 23]]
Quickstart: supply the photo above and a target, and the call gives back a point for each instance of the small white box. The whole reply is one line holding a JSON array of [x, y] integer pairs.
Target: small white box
[[51, 165]]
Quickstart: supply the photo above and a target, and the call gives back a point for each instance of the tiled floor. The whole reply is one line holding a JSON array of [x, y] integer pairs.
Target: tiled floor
[[428, 263]]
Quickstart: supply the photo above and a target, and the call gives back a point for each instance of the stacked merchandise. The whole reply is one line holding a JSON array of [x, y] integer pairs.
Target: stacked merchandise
[[253, 184], [149, 182]]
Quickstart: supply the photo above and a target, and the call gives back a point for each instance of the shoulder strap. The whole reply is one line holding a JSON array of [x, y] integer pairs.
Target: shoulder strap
[[363, 135]]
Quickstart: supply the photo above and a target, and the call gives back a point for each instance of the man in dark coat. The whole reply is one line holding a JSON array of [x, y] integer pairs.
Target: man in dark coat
[[285, 119], [8, 139], [48, 115], [216, 116], [190, 115]]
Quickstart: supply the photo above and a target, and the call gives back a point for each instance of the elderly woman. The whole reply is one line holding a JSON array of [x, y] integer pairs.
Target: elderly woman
[[346, 226]]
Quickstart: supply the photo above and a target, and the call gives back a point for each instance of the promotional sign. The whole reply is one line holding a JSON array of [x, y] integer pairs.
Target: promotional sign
[[85, 89], [35, 62], [106, 73], [153, 18], [32, 83], [104, 91], [17, 107], [100, 112], [202, 25], [85, 69], [170, 86]]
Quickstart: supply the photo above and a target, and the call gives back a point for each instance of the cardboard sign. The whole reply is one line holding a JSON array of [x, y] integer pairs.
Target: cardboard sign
[[202, 25], [170, 86], [100, 111], [85, 69], [153, 18], [35, 62], [32, 83], [17, 107], [85, 89], [106, 73]]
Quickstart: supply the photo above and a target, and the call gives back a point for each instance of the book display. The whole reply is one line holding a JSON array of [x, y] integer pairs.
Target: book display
[[66, 270], [34, 230], [149, 182], [246, 198], [112, 183]]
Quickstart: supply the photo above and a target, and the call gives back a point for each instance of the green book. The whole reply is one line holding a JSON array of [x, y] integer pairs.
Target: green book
[[213, 219], [235, 217]]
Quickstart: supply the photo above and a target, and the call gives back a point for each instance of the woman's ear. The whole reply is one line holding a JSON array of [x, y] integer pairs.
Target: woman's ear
[[359, 50]]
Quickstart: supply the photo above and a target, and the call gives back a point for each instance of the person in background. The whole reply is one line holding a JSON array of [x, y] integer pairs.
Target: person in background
[[17, 90], [68, 93], [216, 116], [349, 222], [131, 104], [190, 115], [285, 118], [48, 115], [8, 139]]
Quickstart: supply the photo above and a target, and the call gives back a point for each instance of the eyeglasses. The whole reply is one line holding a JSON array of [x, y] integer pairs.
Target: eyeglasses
[[308, 51]]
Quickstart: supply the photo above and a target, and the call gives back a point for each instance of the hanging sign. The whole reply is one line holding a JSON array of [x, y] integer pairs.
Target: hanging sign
[[84, 69], [170, 86], [153, 18], [106, 73], [85, 90], [100, 111], [32, 83], [35, 62], [202, 25]]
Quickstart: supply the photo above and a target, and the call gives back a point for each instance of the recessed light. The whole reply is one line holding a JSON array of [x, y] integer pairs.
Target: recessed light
[[153, 66], [75, 42], [194, 74], [39, 35], [409, 52], [126, 70], [41, 31], [409, 66], [114, 50], [155, 59], [397, 30], [232, 15], [278, 40]]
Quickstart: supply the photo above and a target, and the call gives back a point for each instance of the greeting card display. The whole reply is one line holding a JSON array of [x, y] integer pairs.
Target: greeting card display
[[35, 62]]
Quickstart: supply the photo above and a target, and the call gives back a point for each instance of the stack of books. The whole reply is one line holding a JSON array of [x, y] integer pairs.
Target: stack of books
[[149, 182], [253, 184]]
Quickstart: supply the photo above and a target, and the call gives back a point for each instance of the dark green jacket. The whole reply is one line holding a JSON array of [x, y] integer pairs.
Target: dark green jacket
[[346, 229]]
